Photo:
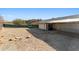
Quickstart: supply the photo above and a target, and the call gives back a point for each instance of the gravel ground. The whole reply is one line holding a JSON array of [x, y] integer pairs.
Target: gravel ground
[[19, 39], [59, 40]]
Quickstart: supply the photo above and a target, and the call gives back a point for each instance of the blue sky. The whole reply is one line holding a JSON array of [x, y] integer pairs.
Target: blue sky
[[36, 13]]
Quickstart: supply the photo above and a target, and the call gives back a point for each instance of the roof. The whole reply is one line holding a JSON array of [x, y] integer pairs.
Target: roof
[[72, 18]]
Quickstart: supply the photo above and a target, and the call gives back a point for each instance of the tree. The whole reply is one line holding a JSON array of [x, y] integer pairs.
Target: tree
[[19, 22]]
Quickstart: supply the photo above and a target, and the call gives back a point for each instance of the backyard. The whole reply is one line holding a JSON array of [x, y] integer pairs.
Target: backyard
[[19, 39], [33, 39]]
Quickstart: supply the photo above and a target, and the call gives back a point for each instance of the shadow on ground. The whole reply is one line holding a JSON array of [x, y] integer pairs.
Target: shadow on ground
[[56, 40]]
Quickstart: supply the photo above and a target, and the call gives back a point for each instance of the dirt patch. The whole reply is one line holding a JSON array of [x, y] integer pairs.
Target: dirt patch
[[19, 39]]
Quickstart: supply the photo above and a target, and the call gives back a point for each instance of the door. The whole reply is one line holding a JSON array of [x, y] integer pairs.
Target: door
[[50, 26]]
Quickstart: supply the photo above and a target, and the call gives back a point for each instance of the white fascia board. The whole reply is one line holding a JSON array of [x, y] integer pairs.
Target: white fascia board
[[65, 20]]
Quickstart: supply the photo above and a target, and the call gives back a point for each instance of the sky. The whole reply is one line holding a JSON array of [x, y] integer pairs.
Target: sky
[[10, 14]]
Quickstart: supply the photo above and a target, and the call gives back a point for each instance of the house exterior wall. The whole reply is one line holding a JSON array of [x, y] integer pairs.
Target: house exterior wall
[[42, 26], [1, 22], [63, 25], [1, 25], [69, 27]]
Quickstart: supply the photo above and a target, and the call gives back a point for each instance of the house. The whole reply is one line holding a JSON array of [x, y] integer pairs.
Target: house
[[34, 21], [1, 22], [66, 23]]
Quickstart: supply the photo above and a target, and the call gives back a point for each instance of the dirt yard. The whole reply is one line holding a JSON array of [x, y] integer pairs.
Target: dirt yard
[[24, 39], [19, 39]]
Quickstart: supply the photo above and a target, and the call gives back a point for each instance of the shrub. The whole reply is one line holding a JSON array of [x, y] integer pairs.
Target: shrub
[[19, 22]]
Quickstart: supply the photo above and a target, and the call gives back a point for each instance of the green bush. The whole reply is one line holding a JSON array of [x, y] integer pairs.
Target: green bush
[[19, 22]]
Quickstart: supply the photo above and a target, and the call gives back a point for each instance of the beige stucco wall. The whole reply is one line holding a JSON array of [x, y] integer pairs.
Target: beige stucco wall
[[42, 26], [69, 27]]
